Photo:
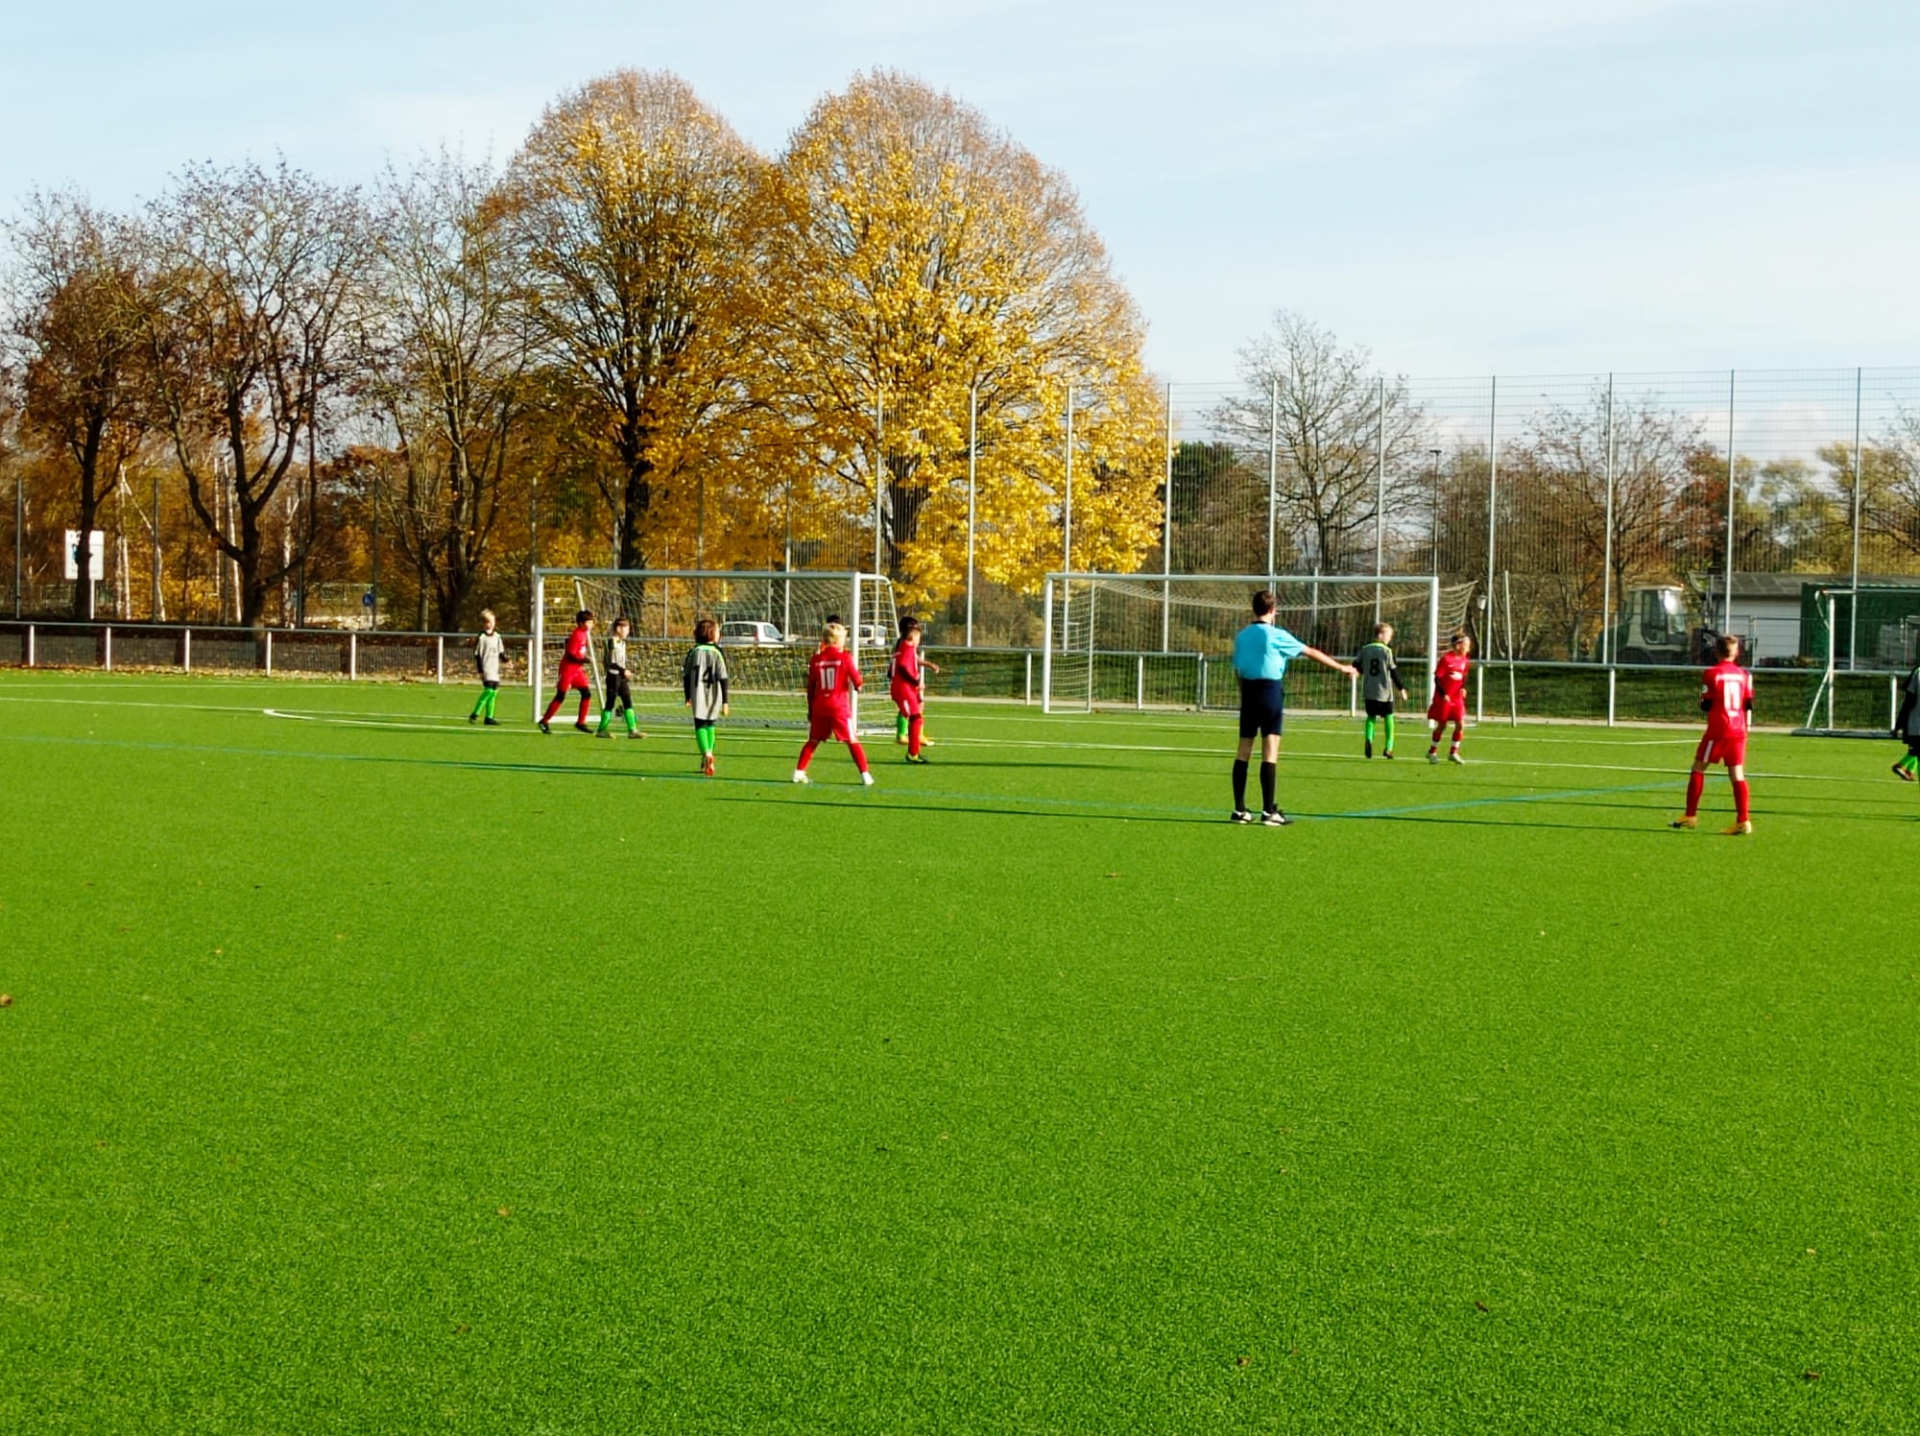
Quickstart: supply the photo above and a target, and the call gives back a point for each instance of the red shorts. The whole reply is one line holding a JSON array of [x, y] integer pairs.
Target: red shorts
[[906, 697], [1447, 710], [822, 726], [1728, 748], [574, 678]]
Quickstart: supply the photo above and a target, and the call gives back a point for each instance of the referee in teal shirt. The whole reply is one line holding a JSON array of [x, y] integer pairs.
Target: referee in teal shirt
[[1261, 652]]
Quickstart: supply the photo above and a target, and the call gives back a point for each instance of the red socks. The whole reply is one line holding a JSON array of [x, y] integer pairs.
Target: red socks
[[806, 756], [859, 756], [1740, 801], [1697, 784], [914, 725]]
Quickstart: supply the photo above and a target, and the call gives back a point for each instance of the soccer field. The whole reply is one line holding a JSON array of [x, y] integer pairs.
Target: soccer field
[[369, 1072]]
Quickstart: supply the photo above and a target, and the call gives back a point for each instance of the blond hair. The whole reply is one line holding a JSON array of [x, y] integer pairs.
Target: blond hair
[[835, 635], [487, 613]]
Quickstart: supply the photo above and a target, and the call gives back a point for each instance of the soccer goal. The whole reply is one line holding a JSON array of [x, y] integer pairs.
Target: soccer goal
[[1143, 640], [770, 624], [1867, 639]]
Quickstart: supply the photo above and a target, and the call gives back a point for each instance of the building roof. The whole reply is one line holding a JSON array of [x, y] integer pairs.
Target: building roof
[[1789, 585]]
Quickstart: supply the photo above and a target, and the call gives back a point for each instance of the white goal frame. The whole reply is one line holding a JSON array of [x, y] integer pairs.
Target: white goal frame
[[1820, 702], [1355, 586], [856, 583]]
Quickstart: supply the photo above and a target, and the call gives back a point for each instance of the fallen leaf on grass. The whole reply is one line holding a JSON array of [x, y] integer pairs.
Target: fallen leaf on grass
[[6, 999], [1809, 1376], [1481, 1306], [506, 1211]]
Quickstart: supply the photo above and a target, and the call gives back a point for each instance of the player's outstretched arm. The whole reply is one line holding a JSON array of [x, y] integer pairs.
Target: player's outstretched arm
[[1335, 664]]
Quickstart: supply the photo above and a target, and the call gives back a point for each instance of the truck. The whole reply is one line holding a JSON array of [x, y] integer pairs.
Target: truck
[[1657, 626]]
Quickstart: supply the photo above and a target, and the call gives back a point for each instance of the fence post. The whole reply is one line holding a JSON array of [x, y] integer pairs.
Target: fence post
[[1726, 606], [1140, 681], [269, 653], [29, 645], [1028, 699], [1066, 531], [1493, 523], [1853, 606], [353, 655], [1273, 472], [1166, 538], [1380, 499], [1612, 674], [1046, 653], [973, 486], [440, 658], [107, 648], [1606, 556], [186, 650]]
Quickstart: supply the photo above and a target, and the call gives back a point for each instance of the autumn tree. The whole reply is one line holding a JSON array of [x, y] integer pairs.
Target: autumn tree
[[76, 282], [916, 262], [448, 349], [625, 205], [1343, 431], [252, 279]]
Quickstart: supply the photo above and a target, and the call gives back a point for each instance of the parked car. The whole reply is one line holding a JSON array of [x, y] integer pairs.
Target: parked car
[[746, 633]]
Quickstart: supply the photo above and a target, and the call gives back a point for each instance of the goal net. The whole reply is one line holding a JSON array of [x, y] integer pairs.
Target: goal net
[[1866, 640], [770, 624], [1142, 640]]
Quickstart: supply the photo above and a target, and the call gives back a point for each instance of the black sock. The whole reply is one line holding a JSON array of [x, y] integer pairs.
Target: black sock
[[1269, 774], [1239, 785]]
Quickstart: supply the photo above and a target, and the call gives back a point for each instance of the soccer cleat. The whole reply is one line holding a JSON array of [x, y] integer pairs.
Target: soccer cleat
[[601, 733], [1456, 758], [866, 780], [1900, 772], [583, 728], [1369, 748], [925, 741], [1387, 754], [916, 757], [543, 726], [900, 740], [1741, 829], [492, 723], [636, 733], [1274, 818], [475, 718], [800, 777], [706, 766], [1240, 815], [1432, 756], [1685, 821]]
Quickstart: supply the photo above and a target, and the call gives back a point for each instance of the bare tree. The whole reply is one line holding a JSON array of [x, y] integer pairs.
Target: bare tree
[[1343, 433], [449, 353], [75, 276], [252, 276]]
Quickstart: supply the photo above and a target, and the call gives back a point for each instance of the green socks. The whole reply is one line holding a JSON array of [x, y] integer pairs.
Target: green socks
[[1370, 725], [1911, 763], [900, 725], [484, 705], [633, 720], [1388, 720], [703, 735]]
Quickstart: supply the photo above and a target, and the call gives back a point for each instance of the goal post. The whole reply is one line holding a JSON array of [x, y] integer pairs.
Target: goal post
[[1865, 639], [1167, 639], [770, 623]]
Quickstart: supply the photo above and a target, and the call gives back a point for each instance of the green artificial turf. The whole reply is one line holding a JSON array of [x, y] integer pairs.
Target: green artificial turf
[[368, 1072]]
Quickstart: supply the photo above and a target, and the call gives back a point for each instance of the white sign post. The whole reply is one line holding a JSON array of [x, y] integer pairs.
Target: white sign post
[[96, 561]]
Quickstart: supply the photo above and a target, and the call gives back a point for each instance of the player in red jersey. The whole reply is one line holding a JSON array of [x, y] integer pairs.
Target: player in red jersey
[[832, 679], [574, 674], [1726, 697], [1449, 703], [907, 678]]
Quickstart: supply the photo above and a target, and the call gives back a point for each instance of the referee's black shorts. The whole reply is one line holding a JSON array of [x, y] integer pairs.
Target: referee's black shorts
[[1262, 705]]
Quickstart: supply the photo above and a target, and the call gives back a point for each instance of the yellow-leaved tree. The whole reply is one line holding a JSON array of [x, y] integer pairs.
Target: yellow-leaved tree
[[911, 255], [627, 202]]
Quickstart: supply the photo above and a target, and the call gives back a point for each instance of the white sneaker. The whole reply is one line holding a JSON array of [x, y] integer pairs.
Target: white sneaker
[[866, 780], [800, 777]]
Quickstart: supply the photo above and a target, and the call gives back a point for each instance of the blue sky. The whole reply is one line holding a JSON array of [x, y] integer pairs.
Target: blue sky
[[1462, 185]]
